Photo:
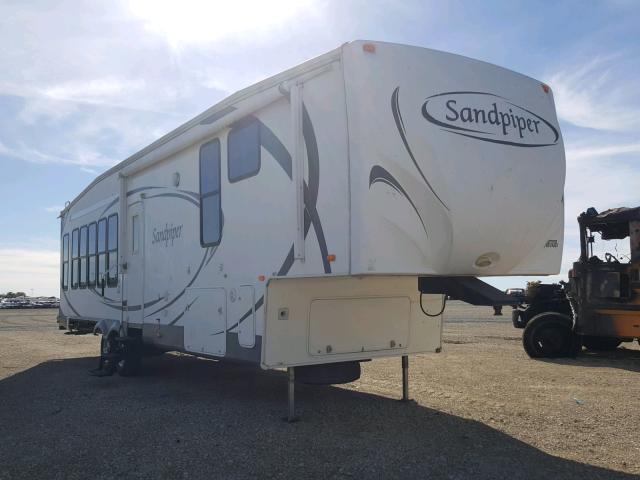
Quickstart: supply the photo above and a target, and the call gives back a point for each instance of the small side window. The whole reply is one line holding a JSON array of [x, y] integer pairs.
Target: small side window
[[210, 203], [92, 257], [243, 149], [112, 250], [82, 272], [102, 251], [75, 260], [64, 271]]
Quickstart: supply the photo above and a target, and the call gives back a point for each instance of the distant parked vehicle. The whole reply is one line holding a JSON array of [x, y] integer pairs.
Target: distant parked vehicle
[[515, 292], [540, 298], [27, 302], [14, 303]]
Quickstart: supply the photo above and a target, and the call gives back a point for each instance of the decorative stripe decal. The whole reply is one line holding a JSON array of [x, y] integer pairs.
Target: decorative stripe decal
[[284, 269], [311, 192], [379, 174], [503, 142], [69, 303], [142, 189], [191, 197], [395, 108], [311, 216], [177, 195], [274, 146], [175, 299], [183, 312]]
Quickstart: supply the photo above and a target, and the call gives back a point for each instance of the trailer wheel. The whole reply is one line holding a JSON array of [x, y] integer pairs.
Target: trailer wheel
[[602, 344], [107, 348], [130, 361], [548, 335]]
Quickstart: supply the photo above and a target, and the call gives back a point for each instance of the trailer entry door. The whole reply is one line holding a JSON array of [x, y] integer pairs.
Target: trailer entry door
[[134, 280]]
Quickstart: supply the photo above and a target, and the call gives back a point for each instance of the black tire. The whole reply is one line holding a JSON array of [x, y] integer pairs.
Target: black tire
[[107, 347], [549, 335], [516, 318], [130, 362], [600, 344]]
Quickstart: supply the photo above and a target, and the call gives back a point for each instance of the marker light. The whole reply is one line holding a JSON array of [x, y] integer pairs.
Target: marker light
[[369, 48], [545, 87], [331, 257]]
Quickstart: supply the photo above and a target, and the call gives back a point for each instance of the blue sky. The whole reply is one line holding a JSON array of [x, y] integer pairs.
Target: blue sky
[[85, 84]]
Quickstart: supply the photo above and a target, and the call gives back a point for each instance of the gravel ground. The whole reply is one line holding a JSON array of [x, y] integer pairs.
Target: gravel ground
[[480, 409]]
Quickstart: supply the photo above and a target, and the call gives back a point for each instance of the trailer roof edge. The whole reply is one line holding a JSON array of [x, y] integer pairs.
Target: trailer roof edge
[[227, 102]]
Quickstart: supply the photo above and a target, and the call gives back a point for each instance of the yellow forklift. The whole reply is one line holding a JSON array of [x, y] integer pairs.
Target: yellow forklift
[[599, 307]]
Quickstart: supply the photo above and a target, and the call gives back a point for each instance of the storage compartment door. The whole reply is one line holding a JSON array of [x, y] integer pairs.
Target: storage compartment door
[[205, 321], [350, 325]]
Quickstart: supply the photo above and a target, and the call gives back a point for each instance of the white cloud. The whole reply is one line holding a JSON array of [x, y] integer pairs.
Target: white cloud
[[26, 270], [587, 151], [597, 95], [99, 90], [205, 22], [92, 171], [34, 155], [92, 99]]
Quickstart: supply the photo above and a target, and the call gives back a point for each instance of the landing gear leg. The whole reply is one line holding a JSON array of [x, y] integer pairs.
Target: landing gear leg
[[405, 378], [291, 417]]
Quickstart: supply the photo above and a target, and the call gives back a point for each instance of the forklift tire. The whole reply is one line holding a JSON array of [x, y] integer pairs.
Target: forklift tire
[[517, 318], [603, 344], [549, 335]]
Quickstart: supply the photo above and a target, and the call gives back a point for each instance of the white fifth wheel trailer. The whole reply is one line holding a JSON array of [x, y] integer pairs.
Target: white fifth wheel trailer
[[320, 217]]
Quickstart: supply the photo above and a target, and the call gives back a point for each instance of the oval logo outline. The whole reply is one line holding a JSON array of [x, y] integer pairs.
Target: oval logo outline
[[516, 124]]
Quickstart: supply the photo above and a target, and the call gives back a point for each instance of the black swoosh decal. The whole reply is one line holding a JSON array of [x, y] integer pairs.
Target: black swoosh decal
[[141, 189], [311, 192], [284, 269], [274, 146], [189, 196], [379, 174], [183, 312], [69, 303], [175, 299], [395, 108], [177, 195], [503, 142], [311, 216]]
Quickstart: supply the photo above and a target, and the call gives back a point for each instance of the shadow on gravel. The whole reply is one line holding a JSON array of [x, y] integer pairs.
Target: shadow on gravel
[[192, 418], [621, 358]]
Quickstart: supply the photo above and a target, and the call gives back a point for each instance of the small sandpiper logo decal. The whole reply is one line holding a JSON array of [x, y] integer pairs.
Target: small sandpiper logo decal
[[167, 235]]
